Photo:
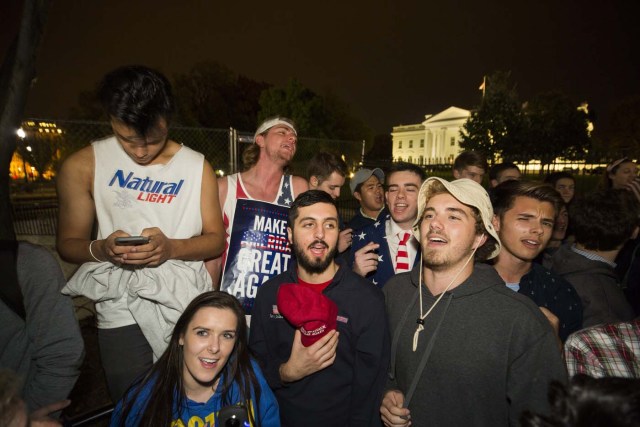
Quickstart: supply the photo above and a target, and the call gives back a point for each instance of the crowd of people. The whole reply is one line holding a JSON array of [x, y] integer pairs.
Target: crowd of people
[[248, 299]]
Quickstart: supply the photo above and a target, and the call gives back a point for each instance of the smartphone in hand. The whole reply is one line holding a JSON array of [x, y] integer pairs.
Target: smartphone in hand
[[132, 240]]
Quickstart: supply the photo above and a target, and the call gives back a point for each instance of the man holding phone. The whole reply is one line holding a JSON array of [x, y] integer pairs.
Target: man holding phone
[[155, 203]]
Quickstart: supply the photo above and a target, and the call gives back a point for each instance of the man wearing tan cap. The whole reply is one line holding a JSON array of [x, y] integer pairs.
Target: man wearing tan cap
[[254, 206], [465, 349]]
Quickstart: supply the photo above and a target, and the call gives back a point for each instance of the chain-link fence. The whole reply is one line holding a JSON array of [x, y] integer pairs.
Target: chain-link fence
[[45, 144], [221, 147]]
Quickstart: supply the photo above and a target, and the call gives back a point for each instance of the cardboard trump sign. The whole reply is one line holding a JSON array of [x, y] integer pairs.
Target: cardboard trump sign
[[258, 249]]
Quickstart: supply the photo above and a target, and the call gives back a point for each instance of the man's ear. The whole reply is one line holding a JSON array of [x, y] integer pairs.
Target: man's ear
[[496, 222], [260, 141], [480, 240], [290, 235], [357, 195], [456, 174], [493, 183], [313, 182]]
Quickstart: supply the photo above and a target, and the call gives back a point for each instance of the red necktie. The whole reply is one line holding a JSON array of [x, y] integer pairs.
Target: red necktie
[[402, 258]]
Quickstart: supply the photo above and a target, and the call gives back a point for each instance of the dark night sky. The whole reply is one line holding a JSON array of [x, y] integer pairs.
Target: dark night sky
[[392, 61]]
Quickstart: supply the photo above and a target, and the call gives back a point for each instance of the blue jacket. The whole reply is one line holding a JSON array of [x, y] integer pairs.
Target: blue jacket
[[376, 233], [360, 221], [202, 414]]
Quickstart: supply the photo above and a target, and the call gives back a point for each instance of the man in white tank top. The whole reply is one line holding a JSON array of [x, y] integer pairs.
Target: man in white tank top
[[138, 182], [254, 254]]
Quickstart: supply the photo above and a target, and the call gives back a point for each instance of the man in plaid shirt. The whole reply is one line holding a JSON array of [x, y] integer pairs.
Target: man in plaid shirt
[[608, 350]]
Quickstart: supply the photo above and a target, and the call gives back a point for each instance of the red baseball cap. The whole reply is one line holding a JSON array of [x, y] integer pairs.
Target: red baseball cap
[[310, 311]]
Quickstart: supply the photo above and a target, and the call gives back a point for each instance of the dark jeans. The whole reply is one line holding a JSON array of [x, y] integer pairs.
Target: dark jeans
[[125, 355]]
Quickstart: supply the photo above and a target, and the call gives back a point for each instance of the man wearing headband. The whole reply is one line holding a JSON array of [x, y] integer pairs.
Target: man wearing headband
[[254, 206], [620, 173], [465, 350]]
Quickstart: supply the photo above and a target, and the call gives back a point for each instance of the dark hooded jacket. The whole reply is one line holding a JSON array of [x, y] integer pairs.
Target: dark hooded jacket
[[493, 355], [597, 285], [348, 392]]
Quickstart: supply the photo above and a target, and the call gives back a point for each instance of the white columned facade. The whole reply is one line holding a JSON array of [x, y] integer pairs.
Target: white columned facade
[[435, 140]]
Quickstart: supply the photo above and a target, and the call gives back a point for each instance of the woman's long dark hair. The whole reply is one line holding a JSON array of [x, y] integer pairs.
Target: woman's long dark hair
[[167, 391]]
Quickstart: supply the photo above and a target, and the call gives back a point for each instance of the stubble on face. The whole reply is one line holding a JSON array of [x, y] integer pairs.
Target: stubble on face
[[448, 233], [280, 143], [314, 238]]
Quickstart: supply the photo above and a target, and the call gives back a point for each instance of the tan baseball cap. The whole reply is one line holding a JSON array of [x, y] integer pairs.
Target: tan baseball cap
[[467, 192]]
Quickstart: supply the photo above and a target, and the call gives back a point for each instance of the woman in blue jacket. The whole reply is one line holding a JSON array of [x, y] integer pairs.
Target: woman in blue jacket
[[205, 368]]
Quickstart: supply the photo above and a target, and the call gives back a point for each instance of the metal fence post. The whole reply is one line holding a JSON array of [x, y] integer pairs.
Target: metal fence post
[[233, 150]]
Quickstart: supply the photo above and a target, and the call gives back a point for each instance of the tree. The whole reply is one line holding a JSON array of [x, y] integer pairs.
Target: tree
[[315, 115], [625, 128], [88, 107], [211, 95], [16, 74], [495, 128], [382, 149], [298, 103], [555, 128], [550, 126]]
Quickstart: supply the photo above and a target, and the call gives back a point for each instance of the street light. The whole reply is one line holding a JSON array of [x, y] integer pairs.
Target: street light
[[22, 135]]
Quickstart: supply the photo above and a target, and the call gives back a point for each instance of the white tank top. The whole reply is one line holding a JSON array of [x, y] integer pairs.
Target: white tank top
[[131, 197]]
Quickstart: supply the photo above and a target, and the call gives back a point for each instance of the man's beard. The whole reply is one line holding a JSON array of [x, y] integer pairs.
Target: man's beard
[[317, 265], [442, 262]]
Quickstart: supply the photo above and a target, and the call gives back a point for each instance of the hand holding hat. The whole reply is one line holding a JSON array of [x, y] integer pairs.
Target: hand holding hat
[[311, 312]]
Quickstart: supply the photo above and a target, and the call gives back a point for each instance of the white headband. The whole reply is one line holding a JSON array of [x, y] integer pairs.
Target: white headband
[[616, 163], [265, 126]]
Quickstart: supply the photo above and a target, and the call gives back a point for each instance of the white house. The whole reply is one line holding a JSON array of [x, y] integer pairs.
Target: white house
[[434, 141]]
